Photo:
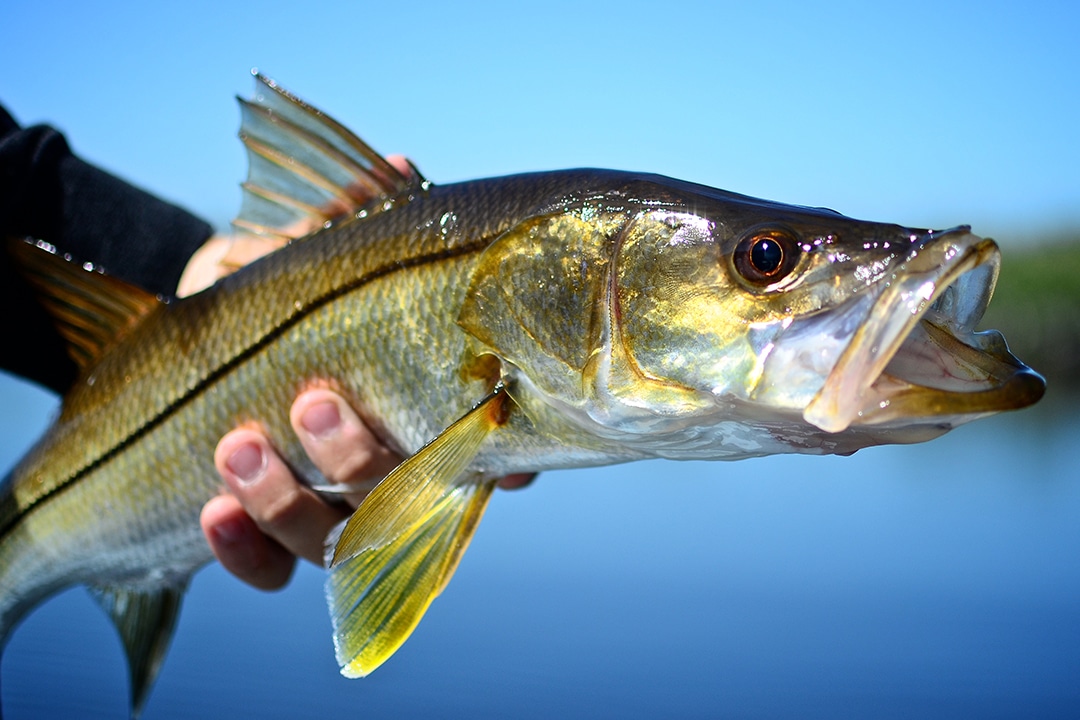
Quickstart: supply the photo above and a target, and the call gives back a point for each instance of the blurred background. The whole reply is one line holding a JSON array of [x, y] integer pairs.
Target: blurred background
[[936, 580]]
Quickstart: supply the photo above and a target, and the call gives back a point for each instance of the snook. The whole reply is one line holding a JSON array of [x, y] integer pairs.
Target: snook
[[514, 324]]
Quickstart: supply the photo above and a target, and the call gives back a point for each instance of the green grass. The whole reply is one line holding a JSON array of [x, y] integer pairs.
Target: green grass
[[1037, 307]]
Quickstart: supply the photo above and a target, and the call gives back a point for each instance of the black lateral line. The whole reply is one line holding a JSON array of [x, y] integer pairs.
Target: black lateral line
[[231, 365]]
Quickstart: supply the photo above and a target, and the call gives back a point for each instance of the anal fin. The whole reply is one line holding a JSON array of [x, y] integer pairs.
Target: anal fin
[[400, 548], [145, 620]]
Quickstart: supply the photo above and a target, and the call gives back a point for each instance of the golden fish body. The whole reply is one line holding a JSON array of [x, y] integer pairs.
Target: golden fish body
[[508, 325], [125, 469]]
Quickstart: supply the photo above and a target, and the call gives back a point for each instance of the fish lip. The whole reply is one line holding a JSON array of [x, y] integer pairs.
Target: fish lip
[[925, 319]]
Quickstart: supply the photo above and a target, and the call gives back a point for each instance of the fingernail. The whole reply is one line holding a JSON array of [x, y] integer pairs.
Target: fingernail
[[247, 463], [321, 419], [516, 481], [231, 532]]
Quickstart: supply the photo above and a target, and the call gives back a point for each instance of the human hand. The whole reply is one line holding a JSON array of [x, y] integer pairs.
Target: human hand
[[269, 518]]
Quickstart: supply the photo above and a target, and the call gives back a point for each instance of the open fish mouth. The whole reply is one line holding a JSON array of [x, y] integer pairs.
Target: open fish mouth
[[918, 357]]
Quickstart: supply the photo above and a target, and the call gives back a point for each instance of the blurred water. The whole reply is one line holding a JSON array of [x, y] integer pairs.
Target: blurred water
[[939, 580]]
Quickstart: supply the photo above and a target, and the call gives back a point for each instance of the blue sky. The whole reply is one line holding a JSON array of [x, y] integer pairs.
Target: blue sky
[[906, 581], [922, 113]]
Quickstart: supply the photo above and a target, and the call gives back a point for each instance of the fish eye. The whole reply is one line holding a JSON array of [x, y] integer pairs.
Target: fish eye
[[765, 257]]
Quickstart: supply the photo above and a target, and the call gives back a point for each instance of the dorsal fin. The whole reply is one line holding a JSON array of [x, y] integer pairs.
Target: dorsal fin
[[305, 168], [90, 309]]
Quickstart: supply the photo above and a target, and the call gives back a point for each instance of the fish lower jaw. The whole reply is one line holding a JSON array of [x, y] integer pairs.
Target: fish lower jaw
[[916, 357], [941, 377]]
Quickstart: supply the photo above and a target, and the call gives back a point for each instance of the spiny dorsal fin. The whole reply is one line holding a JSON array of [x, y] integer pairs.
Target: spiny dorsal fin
[[145, 620], [90, 309], [400, 548], [305, 168]]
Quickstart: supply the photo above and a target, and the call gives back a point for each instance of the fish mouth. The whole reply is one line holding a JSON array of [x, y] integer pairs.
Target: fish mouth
[[917, 357]]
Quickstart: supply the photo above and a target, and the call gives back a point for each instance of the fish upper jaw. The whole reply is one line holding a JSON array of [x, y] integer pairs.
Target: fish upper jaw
[[916, 356]]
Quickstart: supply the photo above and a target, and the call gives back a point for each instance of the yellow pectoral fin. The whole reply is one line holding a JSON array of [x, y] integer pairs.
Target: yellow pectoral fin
[[379, 596], [400, 548]]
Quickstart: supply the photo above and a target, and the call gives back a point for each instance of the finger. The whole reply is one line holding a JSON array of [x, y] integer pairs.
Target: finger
[[242, 548], [515, 482], [245, 249], [282, 507], [204, 267], [401, 164], [339, 443]]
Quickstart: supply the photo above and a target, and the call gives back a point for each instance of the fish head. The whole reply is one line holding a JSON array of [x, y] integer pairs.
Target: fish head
[[822, 332]]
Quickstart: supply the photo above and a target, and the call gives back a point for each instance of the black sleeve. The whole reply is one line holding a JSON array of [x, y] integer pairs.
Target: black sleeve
[[49, 194]]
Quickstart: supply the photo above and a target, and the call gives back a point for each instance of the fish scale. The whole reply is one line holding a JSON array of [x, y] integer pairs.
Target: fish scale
[[199, 395], [515, 324], [207, 334]]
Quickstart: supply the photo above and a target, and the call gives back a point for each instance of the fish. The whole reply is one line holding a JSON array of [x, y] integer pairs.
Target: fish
[[515, 324]]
